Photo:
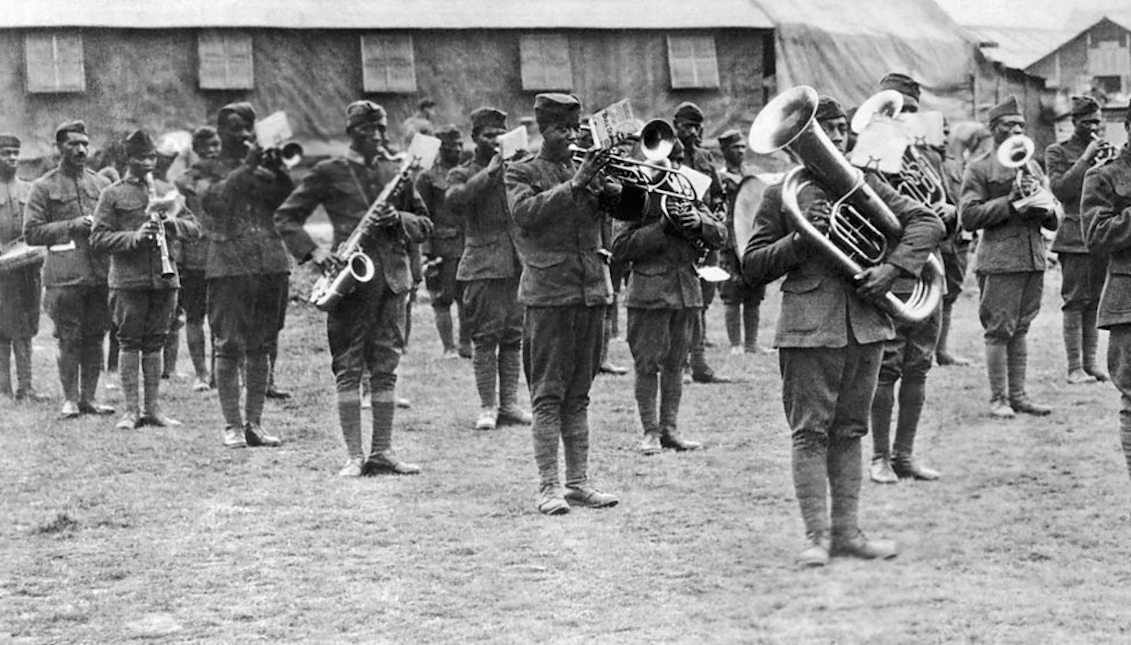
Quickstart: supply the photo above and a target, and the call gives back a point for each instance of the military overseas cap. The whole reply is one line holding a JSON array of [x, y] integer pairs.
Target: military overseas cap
[[242, 109], [363, 111], [729, 138], [688, 112], [140, 144], [1082, 105], [449, 133], [77, 126], [829, 108], [9, 141], [1008, 107], [488, 117], [553, 108], [901, 83]]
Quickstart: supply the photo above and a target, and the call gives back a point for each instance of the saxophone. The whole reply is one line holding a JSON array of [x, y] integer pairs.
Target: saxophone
[[349, 264], [159, 210]]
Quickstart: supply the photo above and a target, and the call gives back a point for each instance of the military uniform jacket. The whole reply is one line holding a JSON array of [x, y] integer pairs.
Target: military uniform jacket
[[446, 240], [120, 212], [730, 182], [345, 187], [19, 290], [661, 260], [1106, 217], [819, 306], [558, 233], [480, 198], [1066, 168], [13, 200], [242, 239], [193, 184], [1011, 242], [55, 207]]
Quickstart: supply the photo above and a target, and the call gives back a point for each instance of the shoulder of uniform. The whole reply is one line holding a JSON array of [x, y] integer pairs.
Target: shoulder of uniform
[[984, 156]]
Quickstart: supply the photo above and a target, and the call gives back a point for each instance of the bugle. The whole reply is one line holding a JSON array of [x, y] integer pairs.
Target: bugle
[[861, 224]]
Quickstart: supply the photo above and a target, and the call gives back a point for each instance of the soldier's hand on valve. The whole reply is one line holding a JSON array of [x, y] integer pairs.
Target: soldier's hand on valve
[[321, 258], [590, 168], [818, 213], [147, 231], [875, 282], [684, 214]]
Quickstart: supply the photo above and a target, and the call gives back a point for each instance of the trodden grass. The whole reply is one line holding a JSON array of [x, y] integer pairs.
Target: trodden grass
[[165, 535]]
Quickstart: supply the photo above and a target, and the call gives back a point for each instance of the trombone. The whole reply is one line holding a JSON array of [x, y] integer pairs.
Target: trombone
[[653, 174]]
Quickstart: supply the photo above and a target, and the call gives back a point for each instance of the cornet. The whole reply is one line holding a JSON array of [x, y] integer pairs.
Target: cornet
[[1016, 152], [652, 174]]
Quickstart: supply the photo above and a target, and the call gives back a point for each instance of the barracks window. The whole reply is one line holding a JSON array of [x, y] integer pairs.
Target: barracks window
[[545, 63], [226, 61], [388, 64], [692, 62], [54, 62]]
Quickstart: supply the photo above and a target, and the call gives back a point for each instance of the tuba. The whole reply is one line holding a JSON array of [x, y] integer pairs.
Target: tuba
[[861, 224], [916, 178]]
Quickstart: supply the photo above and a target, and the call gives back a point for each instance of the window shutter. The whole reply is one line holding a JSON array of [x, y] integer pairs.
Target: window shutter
[[1109, 58], [692, 62], [54, 62], [388, 64], [227, 60], [545, 63]]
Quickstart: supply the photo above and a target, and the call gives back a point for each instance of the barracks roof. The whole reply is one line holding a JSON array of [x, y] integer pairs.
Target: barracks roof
[[387, 14]]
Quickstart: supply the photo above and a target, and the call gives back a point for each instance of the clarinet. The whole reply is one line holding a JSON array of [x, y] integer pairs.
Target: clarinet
[[155, 215]]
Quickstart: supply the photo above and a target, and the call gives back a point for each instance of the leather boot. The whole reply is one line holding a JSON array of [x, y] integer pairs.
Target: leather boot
[[257, 371], [997, 356], [646, 387], [1073, 346], [733, 317], [383, 460], [751, 318], [151, 363], [546, 434], [5, 367], [272, 391], [942, 352], [129, 367], [21, 348], [1018, 365], [444, 327], [485, 365], [68, 361], [810, 483], [844, 482], [91, 366], [1090, 340], [510, 370], [227, 374]]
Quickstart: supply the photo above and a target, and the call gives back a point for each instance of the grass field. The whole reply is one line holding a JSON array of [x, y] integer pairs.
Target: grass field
[[164, 535]]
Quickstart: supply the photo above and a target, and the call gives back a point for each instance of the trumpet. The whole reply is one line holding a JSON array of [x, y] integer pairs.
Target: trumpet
[[1016, 152], [652, 174], [1106, 153], [288, 154], [159, 209]]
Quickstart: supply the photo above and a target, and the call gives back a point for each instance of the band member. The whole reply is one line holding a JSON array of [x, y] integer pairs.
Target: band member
[[557, 210], [20, 288], [688, 124], [1083, 272], [60, 213], [742, 300], [1010, 261], [136, 226], [1106, 217], [954, 250], [167, 154], [247, 271], [366, 329], [193, 294], [663, 300], [490, 271], [442, 250], [907, 358], [831, 339]]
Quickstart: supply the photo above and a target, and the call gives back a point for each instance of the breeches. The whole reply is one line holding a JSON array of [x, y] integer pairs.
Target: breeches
[[366, 332], [910, 353], [245, 312], [443, 288], [561, 351], [954, 261], [1009, 303], [659, 338], [493, 312], [827, 392], [78, 312], [736, 291], [142, 317], [193, 296], [1083, 280]]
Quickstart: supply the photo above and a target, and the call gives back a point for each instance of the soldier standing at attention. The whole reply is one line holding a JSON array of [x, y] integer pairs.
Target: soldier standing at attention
[[60, 214], [557, 210], [490, 271], [20, 289], [1010, 262], [1083, 272]]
